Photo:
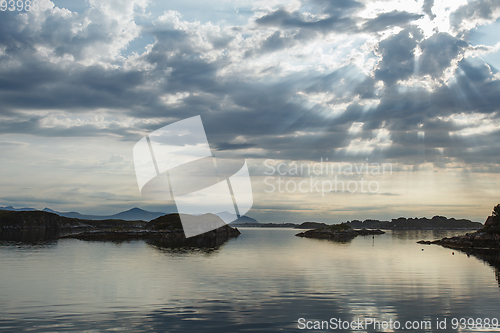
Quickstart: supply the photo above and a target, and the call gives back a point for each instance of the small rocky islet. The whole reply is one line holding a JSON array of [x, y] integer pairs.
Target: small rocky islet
[[338, 232]]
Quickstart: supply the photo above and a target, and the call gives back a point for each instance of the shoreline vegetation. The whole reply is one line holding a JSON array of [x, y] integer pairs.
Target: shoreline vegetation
[[166, 229]]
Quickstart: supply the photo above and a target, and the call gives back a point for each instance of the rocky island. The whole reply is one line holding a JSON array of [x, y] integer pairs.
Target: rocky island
[[165, 229], [338, 232]]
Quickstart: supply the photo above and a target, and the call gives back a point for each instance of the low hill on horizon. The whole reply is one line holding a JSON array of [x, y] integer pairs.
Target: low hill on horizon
[[311, 225], [37, 219], [402, 223]]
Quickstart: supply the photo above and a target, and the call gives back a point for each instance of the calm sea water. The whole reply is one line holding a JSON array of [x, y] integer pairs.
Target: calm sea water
[[263, 281]]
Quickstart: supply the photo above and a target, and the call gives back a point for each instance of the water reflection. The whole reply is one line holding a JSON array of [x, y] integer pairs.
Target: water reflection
[[262, 281], [199, 242], [427, 234], [343, 239], [181, 247], [491, 257], [34, 236]]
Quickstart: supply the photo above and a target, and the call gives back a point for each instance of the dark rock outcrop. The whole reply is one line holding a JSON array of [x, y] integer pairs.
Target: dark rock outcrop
[[166, 230], [476, 240]]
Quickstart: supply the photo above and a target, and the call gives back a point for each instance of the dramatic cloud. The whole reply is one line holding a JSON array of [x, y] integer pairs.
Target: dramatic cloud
[[297, 81]]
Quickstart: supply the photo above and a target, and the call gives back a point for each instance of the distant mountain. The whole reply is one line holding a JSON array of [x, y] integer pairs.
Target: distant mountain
[[233, 218], [72, 214], [10, 208], [134, 214], [137, 214], [244, 220]]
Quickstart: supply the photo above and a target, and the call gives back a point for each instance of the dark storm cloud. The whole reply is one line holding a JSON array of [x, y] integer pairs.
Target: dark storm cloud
[[337, 22], [285, 20], [387, 20], [479, 72], [28, 80], [474, 10], [234, 146], [427, 8], [57, 31], [398, 56], [438, 51], [277, 42], [43, 85]]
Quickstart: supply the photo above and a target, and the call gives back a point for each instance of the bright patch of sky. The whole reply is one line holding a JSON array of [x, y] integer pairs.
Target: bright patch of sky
[[488, 35]]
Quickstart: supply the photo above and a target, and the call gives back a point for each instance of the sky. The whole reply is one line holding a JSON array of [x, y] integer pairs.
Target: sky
[[342, 109]]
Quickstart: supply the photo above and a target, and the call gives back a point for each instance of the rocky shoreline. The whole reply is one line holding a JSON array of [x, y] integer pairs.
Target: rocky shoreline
[[479, 240]]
